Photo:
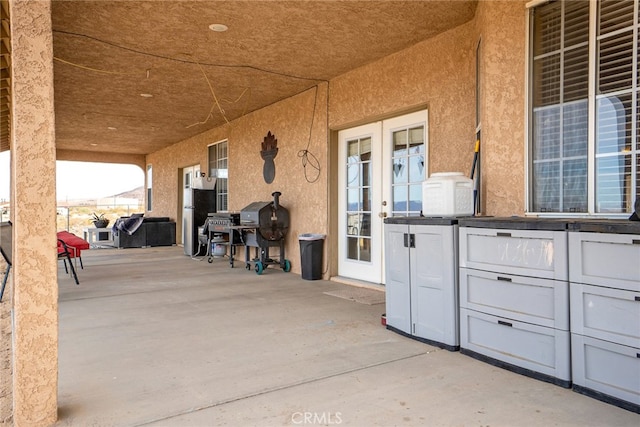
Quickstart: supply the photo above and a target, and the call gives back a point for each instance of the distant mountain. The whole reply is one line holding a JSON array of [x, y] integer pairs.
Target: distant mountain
[[136, 193]]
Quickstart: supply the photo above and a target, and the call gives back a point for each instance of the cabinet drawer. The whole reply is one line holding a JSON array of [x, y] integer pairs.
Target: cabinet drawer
[[606, 367], [611, 260], [535, 253], [541, 302], [604, 313], [535, 348]]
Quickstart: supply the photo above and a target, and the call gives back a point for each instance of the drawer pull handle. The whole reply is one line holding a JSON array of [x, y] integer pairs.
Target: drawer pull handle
[[502, 322], [504, 234], [505, 279], [635, 242]]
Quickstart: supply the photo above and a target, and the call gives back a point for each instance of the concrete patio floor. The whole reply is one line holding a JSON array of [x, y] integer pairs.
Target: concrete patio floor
[[151, 337]]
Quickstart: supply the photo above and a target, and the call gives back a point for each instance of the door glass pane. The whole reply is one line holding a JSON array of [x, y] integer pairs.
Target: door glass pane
[[415, 199], [358, 193], [400, 198], [399, 143], [353, 149], [353, 173], [365, 149], [416, 138], [366, 199], [365, 225], [366, 174], [416, 168], [353, 224], [408, 170], [400, 172], [365, 250], [353, 199], [352, 248]]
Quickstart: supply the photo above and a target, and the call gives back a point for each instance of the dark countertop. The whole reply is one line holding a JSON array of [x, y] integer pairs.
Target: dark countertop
[[516, 223], [614, 226], [423, 220]]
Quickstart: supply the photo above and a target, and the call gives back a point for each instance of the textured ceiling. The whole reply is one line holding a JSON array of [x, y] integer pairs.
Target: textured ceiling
[[109, 53]]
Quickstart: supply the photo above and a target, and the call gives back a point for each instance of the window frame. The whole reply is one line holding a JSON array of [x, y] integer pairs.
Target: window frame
[[592, 119], [149, 187], [219, 194]]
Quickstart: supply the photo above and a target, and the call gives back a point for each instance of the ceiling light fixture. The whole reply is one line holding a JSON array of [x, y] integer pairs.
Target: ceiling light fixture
[[218, 28], [110, 128], [146, 95]]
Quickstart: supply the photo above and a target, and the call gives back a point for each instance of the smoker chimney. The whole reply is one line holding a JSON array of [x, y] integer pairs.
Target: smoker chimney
[[276, 200]]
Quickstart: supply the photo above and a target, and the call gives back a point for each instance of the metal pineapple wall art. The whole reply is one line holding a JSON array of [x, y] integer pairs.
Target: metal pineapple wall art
[[268, 153]]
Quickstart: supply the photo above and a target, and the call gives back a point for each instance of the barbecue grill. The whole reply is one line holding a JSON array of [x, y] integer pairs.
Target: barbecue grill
[[222, 229], [265, 225]]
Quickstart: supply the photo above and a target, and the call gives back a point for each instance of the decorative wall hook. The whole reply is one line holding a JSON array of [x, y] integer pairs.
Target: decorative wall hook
[[268, 153]]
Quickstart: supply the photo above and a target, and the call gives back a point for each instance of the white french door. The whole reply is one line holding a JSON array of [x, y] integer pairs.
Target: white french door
[[360, 199], [381, 169]]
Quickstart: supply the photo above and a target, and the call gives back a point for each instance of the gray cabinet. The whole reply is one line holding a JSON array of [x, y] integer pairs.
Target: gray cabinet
[[514, 296], [421, 272], [605, 316]]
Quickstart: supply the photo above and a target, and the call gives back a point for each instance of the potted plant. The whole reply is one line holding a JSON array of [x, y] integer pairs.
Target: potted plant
[[99, 220]]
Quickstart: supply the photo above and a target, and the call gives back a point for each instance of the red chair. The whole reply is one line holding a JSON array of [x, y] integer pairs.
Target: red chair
[[65, 255], [75, 244]]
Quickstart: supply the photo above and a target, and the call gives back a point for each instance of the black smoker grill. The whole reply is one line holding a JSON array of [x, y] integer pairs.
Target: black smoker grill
[[264, 226]]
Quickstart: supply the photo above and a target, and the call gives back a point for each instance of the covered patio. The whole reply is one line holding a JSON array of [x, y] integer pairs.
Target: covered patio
[[153, 337]]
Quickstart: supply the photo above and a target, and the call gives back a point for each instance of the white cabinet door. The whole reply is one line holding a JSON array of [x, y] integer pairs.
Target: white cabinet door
[[398, 297], [434, 283]]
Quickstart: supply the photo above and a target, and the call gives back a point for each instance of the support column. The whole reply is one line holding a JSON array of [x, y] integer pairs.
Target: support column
[[33, 207]]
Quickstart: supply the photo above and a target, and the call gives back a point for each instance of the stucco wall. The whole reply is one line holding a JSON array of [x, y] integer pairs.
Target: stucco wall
[[438, 73], [290, 121], [502, 25]]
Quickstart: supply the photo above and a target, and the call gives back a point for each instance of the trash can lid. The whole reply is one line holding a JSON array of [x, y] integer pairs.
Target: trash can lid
[[311, 236]]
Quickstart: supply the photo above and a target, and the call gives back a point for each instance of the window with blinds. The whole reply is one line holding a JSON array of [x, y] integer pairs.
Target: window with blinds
[[565, 143], [560, 109], [219, 168]]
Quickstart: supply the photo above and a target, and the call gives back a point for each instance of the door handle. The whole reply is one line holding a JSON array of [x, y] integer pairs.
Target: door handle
[[409, 240]]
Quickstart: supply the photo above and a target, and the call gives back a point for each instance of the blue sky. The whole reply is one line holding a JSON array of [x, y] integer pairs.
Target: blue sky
[[96, 179]]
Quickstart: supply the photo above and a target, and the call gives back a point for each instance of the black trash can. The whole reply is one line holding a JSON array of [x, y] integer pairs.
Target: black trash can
[[311, 249]]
